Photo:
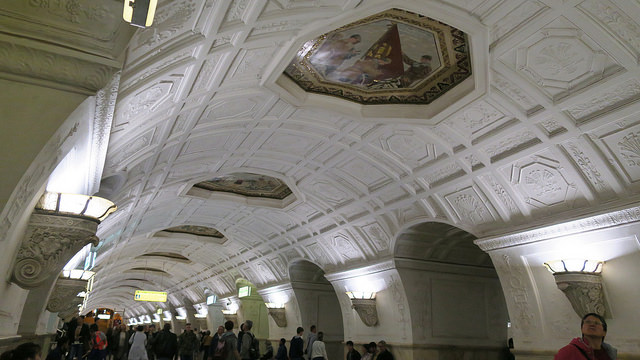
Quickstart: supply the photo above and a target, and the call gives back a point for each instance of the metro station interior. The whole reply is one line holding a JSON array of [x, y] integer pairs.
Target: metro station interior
[[444, 175]]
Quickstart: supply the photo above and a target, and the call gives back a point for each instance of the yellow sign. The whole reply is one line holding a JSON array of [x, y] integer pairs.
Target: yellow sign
[[157, 296]]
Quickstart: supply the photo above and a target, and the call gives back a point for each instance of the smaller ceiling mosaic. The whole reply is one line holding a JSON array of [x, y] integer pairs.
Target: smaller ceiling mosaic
[[195, 230], [394, 57], [247, 184]]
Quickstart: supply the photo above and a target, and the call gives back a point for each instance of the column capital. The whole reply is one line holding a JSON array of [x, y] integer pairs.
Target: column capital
[[49, 243]]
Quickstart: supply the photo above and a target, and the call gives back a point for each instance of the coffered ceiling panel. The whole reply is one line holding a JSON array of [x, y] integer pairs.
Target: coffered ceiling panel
[[551, 132]]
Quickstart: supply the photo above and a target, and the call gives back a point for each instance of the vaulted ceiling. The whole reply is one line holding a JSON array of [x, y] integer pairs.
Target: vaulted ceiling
[[546, 129]]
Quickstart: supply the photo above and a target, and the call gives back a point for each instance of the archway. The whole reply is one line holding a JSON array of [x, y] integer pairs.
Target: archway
[[318, 305], [455, 298]]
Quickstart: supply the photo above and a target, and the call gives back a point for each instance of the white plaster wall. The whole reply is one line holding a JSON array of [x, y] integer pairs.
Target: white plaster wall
[[542, 317], [461, 309]]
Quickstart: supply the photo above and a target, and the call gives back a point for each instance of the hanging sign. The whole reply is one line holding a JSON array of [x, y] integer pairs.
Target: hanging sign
[[157, 296]]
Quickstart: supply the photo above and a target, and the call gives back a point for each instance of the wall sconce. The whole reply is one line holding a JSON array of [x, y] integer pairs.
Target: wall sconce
[[278, 314], [364, 303], [231, 315], [58, 228], [581, 282]]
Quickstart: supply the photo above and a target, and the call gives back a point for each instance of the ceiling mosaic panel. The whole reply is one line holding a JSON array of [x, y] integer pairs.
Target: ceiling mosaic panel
[[248, 184], [196, 230], [393, 57]]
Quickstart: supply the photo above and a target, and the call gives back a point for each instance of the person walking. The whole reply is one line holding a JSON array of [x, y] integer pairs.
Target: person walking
[[384, 353], [310, 339], [352, 354], [295, 348], [188, 343], [282, 350], [166, 344], [247, 348], [319, 351], [138, 342]]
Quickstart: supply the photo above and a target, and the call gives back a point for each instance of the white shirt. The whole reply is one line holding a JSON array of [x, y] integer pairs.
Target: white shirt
[[318, 350]]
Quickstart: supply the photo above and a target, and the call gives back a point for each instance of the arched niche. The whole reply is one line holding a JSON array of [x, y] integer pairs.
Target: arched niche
[[455, 299], [318, 305], [251, 307]]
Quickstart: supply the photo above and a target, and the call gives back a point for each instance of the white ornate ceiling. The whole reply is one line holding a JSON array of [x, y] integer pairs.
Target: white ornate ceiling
[[550, 131]]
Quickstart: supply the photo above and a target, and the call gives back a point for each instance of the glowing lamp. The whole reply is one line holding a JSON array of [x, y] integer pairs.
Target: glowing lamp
[[577, 277], [574, 265], [85, 206], [139, 13], [360, 295]]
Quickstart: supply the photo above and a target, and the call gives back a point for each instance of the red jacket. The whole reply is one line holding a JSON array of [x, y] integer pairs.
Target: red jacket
[[572, 351]]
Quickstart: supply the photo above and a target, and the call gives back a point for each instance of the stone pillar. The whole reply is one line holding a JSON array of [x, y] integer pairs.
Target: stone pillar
[[215, 317]]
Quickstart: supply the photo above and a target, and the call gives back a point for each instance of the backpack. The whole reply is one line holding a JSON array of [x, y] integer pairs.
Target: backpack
[[101, 341], [254, 350], [220, 352]]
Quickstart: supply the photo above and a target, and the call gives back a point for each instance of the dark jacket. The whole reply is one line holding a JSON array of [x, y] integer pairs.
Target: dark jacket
[[353, 355], [578, 349], [385, 355], [214, 344], [165, 344], [296, 348], [282, 352], [188, 343]]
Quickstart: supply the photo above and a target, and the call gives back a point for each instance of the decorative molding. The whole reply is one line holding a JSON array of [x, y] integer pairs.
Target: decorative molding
[[102, 121], [584, 292], [50, 242], [279, 316], [597, 222], [612, 97], [58, 71], [366, 309], [366, 270], [233, 318], [64, 296]]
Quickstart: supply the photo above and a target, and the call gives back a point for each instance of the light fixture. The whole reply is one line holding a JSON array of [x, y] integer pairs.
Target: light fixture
[[139, 13], [85, 206], [104, 316], [574, 265], [230, 315], [361, 295], [200, 316], [65, 223], [581, 282], [364, 303], [277, 312], [77, 274], [178, 317]]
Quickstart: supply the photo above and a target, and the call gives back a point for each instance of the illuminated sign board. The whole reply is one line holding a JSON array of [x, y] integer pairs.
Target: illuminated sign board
[[211, 299], [244, 291], [158, 296]]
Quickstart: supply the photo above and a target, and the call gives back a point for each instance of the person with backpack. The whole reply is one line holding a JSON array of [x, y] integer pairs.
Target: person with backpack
[[98, 343], [250, 349], [214, 342], [165, 344], [226, 349]]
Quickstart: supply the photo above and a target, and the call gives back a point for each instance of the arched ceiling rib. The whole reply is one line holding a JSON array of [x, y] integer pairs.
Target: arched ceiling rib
[[550, 138]]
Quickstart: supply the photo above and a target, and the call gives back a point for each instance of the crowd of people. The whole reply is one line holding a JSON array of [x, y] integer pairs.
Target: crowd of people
[[145, 343]]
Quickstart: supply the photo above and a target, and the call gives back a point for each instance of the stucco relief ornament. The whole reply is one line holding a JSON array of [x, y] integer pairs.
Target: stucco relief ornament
[[584, 292], [49, 243], [366, 309], [279, 316], [64, 296]]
